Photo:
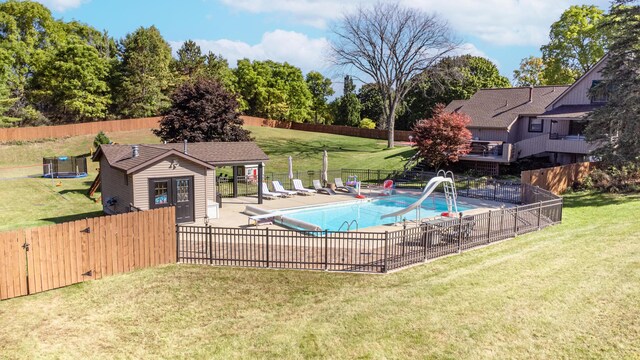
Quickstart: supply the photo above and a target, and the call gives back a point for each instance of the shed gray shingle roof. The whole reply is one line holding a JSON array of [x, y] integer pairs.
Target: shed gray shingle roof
[[211, 153], [499, 108]]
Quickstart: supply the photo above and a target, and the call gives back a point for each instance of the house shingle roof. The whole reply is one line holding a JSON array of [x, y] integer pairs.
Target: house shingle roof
[[499, 108], [206, 153], [570, 111]]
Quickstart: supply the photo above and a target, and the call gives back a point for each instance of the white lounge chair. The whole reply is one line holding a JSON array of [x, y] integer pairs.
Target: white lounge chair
[[281, 190], [297, 186], [340, 186], [320, 189], [268, 194]]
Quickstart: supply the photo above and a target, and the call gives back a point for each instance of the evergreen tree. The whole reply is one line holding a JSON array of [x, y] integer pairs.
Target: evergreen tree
[[372, 105], [615, 127], [349, 106], [190, 62], [145, 74]]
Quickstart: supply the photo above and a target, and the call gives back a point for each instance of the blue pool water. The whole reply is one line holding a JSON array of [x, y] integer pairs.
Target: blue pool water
[[367, 213]]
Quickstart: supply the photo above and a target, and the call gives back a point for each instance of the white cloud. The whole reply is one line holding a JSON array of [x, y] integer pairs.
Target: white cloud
[[61, 5], [499, 22], [279, 45]]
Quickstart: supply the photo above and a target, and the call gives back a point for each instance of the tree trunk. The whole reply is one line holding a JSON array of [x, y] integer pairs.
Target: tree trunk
[[391, 125]]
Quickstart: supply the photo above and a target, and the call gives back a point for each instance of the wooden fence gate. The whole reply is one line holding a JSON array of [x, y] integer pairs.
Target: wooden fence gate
[[48, 257]]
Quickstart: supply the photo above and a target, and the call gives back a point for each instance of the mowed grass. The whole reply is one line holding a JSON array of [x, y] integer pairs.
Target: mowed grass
[[569, 291], [36, 201]]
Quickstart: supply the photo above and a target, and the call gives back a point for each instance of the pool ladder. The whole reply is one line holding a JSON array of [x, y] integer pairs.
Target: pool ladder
[[349, 225]]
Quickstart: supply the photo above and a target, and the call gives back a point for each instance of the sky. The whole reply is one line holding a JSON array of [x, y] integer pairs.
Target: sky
[[297, 31]]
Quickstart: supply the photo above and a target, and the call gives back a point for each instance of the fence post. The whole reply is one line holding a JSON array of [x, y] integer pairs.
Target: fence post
[[495, 190], [539, 213], [386, 251], [460, 233], [210, 230], [326, 250], [515, 223], [267, 236], [489, 228], [468, 185], [177, 243], [378, 182]]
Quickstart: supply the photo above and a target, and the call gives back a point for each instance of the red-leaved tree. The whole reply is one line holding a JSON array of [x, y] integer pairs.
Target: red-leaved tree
[[443, 138]]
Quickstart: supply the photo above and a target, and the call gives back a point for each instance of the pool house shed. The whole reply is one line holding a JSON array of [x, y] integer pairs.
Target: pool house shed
[[143, 177]]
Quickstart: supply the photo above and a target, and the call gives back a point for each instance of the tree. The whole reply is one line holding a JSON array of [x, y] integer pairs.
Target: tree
[[392, 45], [202, 110], [190, 62], [349, 106], [145, 75], [73, 84], [101, 138], [372, 104], [576, 43], [452, 78], [273, 90], [320, 88], [615, 127], [443, 138], [530, 72], [217, 68]]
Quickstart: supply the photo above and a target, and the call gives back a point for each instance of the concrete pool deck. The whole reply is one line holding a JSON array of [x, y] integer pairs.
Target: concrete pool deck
[[231, 214]]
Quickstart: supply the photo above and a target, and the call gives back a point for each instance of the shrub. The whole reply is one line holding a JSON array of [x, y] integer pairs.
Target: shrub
[[625, 178], [100, 139], [367, 124]]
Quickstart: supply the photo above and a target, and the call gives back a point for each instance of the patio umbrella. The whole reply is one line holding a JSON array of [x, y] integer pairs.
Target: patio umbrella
[[290, 167], [325, 166]]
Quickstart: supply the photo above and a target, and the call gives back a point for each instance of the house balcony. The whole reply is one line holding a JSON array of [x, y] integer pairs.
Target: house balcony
[[553, 143], [571, 144]]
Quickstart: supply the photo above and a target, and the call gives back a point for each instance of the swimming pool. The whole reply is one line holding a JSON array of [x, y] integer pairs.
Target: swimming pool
[[367, 213]]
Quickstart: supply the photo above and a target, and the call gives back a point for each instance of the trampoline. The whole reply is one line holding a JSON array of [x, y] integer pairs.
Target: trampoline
[[64, 167]]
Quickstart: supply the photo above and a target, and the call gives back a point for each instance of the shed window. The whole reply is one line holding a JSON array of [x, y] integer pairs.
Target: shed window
[[536, 125], [161, 192]]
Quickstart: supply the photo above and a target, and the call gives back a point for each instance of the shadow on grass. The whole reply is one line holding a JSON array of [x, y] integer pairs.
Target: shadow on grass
[[407, 154], [596, 199], [66, 218], [83, 191], [278, 147]]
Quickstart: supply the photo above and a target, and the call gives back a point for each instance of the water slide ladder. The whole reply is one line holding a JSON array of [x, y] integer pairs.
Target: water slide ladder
[[450, 193]]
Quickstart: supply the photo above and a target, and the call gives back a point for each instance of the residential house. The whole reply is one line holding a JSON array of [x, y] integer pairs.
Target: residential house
[[143, 177], [544, 122]]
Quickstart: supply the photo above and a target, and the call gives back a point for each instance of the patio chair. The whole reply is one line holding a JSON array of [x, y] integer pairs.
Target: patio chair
[[281, 190], [297, 186], [340, 186], [320, 189], [268, 194]]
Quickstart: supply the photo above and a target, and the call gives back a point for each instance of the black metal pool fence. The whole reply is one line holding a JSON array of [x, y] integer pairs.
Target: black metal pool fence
[[375, 252], [480, 188]]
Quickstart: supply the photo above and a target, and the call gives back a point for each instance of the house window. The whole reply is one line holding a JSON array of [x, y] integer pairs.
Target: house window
[[536, 125], [598, 94]]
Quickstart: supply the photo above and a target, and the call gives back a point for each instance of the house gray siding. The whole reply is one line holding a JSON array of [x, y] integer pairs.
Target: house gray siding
[[113, 185], [579, 94], [489, 134]]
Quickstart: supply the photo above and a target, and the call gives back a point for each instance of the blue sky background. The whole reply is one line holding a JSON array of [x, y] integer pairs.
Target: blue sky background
[[296, 31]]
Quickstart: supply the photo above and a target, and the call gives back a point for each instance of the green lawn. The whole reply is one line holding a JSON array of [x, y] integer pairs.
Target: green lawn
[[569, 291], [36, 201]]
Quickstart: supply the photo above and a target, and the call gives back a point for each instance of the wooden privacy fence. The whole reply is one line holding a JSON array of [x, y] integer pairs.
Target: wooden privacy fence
[[92, 128], [558, 179], [48, 257], [399, 135]]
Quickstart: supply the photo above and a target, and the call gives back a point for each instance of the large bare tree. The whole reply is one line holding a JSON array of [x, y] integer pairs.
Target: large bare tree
[[393, 45]]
